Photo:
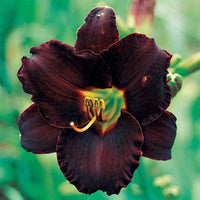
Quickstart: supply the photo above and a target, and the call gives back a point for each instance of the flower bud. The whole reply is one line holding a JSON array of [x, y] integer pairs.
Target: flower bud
[[176, 58], [175, 83], [189, 65], [142, 15]]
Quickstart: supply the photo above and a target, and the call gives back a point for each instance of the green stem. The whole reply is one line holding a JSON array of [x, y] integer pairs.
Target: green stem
[[48, 178], [146, 183], [4, 76]]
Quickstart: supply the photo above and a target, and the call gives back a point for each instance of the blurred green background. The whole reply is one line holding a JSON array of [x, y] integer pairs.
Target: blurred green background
[[27, 23]]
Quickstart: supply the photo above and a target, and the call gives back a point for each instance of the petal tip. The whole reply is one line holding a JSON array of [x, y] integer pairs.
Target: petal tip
[[99, 12], [99, 30]]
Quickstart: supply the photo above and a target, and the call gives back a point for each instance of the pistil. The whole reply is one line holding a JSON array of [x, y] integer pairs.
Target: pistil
[[85, 128]]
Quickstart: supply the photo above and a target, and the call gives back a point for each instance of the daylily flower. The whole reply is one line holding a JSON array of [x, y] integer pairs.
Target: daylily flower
[[100, 105]]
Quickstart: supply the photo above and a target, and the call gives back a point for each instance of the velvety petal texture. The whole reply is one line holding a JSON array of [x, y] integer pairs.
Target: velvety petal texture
[[139, 67], [99, 30], [159, 137], [92, 163], [55, 74], [37, 136]]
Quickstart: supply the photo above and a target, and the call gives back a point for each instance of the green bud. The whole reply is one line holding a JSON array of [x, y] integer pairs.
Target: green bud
[[175, 83], [169, 77], [176, 58], [189, 65]]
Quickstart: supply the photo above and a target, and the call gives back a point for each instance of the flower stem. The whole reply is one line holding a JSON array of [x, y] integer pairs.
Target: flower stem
[[146, 183]]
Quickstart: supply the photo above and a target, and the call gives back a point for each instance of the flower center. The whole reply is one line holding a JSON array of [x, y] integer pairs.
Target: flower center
[[103, 108]]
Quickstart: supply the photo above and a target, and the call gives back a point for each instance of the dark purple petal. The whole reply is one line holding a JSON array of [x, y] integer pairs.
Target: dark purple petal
[[99, 30], [140, 67], [92, 163], [55, 75], [159, 137], [36, 135]]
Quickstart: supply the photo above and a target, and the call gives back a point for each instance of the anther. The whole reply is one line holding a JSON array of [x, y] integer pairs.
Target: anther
[[102, 104], [96, 102], [89, 101]]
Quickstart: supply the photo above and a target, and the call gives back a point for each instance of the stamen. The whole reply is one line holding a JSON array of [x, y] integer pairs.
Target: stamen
[[104, 106], [100, 117], [92, 105], [89, 115], [91, 111], [96, 102], [84, 128]]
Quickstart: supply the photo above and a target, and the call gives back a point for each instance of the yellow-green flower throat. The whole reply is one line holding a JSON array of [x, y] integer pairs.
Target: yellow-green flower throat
[[103, 109]]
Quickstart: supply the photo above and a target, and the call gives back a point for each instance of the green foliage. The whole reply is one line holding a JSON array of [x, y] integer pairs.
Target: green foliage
[[27, 23]]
